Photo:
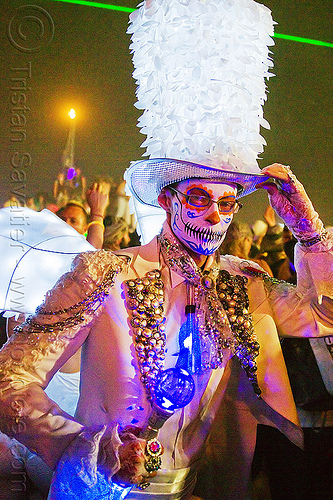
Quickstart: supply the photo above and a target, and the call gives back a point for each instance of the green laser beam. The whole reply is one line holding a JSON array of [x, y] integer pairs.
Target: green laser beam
[[128, 9], [303, 40], [98, 4]]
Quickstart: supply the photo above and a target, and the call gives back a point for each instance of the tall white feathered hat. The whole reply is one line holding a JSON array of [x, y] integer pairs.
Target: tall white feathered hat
[[200, 68]]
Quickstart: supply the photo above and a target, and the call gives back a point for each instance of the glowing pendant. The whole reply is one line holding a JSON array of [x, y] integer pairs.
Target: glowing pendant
[[174, 389]]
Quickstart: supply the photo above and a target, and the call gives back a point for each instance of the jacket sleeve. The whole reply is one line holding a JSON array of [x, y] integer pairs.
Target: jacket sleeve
[[41, 345], [306, 310]]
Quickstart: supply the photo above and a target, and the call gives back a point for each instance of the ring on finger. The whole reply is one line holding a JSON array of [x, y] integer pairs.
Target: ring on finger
[[153, 451]]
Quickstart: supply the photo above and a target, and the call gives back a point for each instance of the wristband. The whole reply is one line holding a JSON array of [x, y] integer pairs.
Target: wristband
[[95, 222], [314, 240]]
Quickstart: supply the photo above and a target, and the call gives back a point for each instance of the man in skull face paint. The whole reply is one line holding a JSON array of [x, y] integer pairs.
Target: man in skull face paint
[[199, 213]]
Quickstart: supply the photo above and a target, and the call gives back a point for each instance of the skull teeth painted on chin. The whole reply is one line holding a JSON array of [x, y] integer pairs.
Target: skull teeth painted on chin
[[204, 241], [204, 234]]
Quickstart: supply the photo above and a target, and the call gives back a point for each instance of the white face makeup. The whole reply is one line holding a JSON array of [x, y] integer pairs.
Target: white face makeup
[[202, 228]]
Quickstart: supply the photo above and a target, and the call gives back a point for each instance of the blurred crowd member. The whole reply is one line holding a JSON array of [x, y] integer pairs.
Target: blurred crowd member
[[238, 242], [42, 200], [75, 216], [12, 202], [97, 198], [270, 245], [272, 249], [259, 229], [123, 210], [286, 269], [77, 184], [30, 203], [116, 235], [109, 186], [60, 190]]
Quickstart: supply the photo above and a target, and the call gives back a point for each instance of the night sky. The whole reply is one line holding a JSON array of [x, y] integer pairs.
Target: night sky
[[87, 66]]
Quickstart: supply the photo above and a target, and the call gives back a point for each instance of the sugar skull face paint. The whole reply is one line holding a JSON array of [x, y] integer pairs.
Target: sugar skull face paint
[[201, 212]]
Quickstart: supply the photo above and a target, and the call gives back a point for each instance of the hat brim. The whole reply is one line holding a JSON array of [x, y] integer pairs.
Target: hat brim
[[146, 178]]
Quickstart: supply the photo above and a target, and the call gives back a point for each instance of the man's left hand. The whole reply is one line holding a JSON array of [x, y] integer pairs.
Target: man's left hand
[[290, 201], [132, 458]]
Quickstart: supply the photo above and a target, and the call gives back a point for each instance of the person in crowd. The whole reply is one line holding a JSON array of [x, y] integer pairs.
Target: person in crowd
[[77, 185], [259, 228], [122, 207], [60, 190], [30, 203], [116, 235], [75, 216], [97, 198], [238, 241], [270, 243], [273, 251], [12, 202]]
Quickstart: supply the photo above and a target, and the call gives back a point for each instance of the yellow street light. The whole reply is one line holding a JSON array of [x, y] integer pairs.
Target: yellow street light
[[72, 114]]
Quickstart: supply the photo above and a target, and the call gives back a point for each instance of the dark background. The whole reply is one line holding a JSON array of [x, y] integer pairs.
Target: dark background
[[87, 65]]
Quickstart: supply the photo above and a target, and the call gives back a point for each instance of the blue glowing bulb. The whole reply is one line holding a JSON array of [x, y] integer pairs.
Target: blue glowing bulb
[[174, 389]]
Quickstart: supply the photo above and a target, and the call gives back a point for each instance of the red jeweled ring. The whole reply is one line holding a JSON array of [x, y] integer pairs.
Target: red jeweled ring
[[154, 450]]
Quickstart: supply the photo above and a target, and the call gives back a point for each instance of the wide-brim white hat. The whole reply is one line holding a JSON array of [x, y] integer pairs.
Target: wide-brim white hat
[[146, 178]]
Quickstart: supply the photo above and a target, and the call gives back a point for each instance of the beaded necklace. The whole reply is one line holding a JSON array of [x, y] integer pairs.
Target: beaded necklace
[[223, 315], [220, 304]]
